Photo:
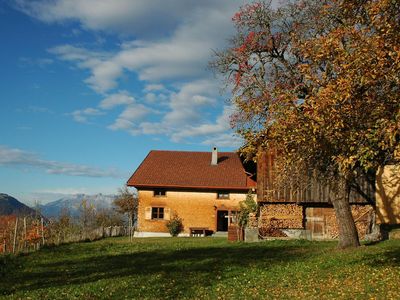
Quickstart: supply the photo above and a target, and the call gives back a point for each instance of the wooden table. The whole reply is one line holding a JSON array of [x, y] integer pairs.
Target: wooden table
[[198, 231]]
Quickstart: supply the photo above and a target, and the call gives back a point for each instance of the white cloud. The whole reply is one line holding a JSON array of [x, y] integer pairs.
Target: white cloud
[[141, 18], [224, 140], [63, 191], [154, 87], [154, 128], [84, 58], [134, 112], [52, 194], [210, 129], [120, 98], [106, 71], [104, 76], [130, 117], [17, 157], [172, 47], [151, 97], [82, 115], [184, 118], [183, 55], [122, 124], [185, 105]]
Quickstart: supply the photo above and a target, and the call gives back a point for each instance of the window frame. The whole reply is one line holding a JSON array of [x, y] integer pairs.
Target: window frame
[[223, 195], [157, 210], [160, 193]]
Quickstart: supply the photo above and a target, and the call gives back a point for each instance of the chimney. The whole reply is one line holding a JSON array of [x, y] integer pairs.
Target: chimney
[[214, 156]]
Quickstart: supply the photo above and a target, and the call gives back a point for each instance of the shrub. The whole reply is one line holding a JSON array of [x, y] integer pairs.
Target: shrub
[[175, 225], [247, 207]]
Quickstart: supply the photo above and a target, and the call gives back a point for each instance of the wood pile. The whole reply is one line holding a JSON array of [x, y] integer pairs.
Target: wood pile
[[270, 231], [362, 215], [253, 221], [284, 216]]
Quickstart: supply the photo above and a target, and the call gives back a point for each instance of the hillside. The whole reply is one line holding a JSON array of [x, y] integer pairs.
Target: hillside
[[11, 206], [72, 204]]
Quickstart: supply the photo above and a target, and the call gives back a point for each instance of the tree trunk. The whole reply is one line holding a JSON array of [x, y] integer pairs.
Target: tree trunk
[[348, 235]]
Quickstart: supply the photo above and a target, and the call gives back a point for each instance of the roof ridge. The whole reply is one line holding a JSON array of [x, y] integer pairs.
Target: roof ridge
[[188, 151], [190, 169]]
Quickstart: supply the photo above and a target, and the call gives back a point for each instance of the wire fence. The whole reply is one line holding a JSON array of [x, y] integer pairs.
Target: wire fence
[[27, 234]]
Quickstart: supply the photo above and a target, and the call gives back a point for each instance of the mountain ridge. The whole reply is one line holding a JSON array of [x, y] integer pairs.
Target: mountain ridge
[[72, 204], [11, 206]]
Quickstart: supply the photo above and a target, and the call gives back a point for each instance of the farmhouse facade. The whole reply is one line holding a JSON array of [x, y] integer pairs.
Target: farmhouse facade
[[202, 188], [205, 188]]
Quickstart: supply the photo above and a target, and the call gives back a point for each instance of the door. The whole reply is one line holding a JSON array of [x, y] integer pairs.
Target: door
[[318, 220], [222, 220]]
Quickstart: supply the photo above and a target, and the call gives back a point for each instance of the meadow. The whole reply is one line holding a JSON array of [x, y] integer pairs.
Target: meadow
[[203, 268]]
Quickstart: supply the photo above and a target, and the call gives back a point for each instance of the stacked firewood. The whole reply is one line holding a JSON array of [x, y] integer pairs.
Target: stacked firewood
[[253, 221], [285, 216], [270, 231], [362, 217]]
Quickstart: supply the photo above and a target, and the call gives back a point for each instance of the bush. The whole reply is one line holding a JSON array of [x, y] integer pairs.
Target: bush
[[247, 207], [175, 225]]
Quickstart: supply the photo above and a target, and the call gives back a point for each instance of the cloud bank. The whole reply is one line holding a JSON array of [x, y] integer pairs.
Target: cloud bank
[[17, 157], [167, 47]]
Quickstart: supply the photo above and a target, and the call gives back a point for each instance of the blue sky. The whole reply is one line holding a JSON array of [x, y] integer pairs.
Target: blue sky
[[88, 88]]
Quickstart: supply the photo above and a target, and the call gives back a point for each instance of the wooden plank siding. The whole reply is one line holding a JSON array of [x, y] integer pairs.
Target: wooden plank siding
[[308, 190]]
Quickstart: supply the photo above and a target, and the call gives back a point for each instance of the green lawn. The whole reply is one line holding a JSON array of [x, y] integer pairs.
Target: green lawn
[[193, 268]]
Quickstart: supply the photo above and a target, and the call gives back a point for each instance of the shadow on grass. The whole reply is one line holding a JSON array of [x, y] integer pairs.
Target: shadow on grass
[[390, 257], [171, 270]]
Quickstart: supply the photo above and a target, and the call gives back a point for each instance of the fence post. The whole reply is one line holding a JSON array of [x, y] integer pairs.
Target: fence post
[[37, 234], [25, 243], [41, 220], [15, 234]]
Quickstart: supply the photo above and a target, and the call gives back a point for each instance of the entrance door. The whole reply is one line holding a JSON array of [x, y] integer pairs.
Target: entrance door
[[222, 220]]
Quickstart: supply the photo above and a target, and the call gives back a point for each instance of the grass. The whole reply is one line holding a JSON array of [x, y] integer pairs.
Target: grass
[[204, 268]]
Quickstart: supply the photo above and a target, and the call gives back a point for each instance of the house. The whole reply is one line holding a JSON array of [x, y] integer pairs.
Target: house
[[305, 210], [202, 188]]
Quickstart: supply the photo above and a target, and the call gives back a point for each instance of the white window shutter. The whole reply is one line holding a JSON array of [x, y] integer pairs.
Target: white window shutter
[[167, 213], [147, 213]]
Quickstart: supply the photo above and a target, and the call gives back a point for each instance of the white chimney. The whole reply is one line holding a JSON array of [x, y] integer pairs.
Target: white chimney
[[214, 156]]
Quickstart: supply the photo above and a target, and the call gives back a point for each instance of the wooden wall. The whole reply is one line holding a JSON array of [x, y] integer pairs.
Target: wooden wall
[[308, 189], [388, 195]]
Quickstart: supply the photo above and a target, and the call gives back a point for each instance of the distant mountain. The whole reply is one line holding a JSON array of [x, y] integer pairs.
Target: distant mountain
[[72, 204], [11, 206]]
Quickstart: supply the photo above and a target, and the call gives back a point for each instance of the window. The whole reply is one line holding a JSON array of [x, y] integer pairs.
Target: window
[[223, 195], [157, 212], [160, 193]]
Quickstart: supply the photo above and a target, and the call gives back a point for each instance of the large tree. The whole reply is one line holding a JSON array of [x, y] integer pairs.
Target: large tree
[[319, 81]]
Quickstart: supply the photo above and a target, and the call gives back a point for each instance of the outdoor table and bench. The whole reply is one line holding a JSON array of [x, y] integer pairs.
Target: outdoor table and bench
[[198, 231]]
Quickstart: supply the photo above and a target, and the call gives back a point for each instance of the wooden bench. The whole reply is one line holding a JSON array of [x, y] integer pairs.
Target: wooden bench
[[198, 231]]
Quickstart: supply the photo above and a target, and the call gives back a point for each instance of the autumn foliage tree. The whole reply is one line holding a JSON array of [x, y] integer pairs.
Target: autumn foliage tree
[[127, 203], [319, 81]]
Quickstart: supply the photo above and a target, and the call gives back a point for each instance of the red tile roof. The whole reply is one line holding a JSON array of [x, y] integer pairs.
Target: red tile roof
[[182, 169]]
